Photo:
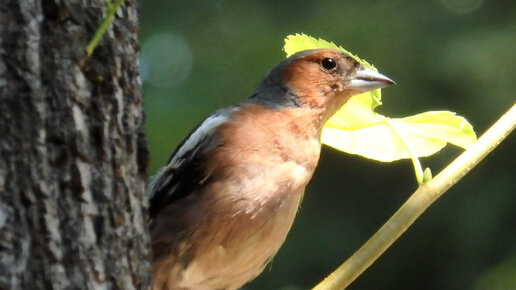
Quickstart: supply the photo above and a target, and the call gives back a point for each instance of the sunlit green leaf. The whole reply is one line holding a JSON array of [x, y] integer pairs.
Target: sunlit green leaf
[[385, 139]]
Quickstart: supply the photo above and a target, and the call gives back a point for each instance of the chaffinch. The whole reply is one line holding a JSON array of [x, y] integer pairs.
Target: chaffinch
[[223, 204]]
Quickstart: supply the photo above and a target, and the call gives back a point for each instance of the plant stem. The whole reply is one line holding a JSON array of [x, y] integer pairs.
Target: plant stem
[[111, 10], [420, 200], [418, 170]]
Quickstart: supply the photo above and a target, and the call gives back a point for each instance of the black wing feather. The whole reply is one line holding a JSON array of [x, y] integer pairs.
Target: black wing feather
[[176, 183], [184, 174]]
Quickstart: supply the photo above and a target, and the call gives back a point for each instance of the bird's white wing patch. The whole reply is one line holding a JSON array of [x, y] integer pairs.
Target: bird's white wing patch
[[167, 180], [200, 134]]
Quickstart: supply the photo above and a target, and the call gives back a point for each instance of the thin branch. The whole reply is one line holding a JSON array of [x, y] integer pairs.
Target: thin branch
[[111, 10], [420, 200], [418, 170]]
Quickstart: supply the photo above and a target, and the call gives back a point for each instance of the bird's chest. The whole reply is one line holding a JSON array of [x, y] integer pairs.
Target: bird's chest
[[278, 148], [270, 168]]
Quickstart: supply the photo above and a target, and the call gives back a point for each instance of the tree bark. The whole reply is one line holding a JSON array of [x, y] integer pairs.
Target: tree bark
[[73, 156]]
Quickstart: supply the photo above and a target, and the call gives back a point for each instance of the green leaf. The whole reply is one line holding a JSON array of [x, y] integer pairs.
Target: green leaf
[[385, 139], [357, 129]]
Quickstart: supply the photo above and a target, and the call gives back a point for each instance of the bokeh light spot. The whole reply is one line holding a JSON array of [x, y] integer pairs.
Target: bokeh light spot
[[166, 60]]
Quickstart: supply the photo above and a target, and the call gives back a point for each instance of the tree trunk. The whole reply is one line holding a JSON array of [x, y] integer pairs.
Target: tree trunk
[[73, 156]]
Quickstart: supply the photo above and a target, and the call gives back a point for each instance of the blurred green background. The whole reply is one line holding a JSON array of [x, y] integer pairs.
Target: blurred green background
[[458, 55]]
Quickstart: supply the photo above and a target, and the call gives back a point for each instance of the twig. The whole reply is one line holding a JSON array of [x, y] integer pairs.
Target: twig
[[111, 10], [420, 200]]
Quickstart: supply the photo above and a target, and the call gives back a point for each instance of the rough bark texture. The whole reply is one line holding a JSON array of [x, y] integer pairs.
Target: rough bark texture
[[72, 150]]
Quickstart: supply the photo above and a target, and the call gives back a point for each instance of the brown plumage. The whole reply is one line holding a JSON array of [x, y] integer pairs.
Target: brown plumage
[[223, 205]]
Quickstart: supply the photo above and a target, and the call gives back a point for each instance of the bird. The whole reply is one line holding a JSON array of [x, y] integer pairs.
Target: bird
[[222, 205]]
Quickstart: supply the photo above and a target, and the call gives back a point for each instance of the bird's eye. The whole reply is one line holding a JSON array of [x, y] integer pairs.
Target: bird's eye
[[328, 63]]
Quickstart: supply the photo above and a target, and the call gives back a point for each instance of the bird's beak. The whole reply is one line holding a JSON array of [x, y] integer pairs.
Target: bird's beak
[[366, 79]]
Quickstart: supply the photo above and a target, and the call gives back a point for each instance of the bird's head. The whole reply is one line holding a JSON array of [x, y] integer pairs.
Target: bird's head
[[320, 79]]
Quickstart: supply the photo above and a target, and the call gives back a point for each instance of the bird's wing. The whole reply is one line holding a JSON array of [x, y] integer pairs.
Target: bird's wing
[[183, 174]]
